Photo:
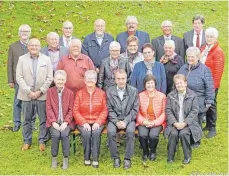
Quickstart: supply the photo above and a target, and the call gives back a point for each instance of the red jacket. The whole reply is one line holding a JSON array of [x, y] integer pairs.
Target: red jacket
[[215, 61], [159, 102], [90, 108], [52, 105]]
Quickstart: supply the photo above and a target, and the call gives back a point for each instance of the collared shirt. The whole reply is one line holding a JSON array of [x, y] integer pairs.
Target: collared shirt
[[181, 103], [24, 47], [66, 44], [195, 38], [60, 112], [121, 92], [34, 61], [54, 57], [99, 39], [167, 38]]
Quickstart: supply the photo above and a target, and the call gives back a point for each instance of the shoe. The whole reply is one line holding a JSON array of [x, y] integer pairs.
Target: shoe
[[170, 161], [117, 163], [34, 128], [144, 157], [87, 162], [42, 147], [212, 133], [54, 162], [65, 163], [206, 128], [25, 147], [127, 164], [152, 156], [187, 161], [196, 145], [16, 128], [95, 164]]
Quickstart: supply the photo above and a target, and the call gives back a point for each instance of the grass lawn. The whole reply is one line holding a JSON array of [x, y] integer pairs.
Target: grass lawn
[[44, 17]]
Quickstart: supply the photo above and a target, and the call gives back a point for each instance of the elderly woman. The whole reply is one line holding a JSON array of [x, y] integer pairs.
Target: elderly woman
[[132, 54], [172, 63], [110, 65], [148, 66], [200, 80], [90, 114], [59, 106], [213, 57], [151, 117]]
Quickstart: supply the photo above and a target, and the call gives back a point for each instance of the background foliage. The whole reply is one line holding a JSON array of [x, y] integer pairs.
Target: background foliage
[[43, 17]]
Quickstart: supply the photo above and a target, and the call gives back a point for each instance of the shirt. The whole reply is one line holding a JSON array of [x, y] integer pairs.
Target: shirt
[[120, 92], [65, 41], [54, 57], [181, 112], [60, 110], [34, 61], [167, 38], [99, 39], [195, 37]]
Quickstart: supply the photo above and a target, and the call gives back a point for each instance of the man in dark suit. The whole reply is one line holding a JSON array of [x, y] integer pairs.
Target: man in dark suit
[[132, 25], [195, 37], [158, 43], [67, 34]]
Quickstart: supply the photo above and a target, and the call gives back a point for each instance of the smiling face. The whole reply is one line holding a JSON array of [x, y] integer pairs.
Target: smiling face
[[59, 81], [180, 85], [115, 52], [53, 41], [210, 39], [131, 26], [67, 29], [100, 27], [24, 33], [132, 47], [169, 49], [148, 54], [34, 47], [150, 85], [198, 26], [167, 29], [192, 58], [75, 48], [120, 79]]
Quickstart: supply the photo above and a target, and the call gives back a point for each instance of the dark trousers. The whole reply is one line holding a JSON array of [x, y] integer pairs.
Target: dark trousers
[[111, 133], [184, 136], [151, 136], [91, 142], [56, 137]]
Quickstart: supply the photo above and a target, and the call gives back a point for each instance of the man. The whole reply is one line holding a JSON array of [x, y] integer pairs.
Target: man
[[16, 50], [96, 44], [195, 37], [123, 105], [158, 43], [34, 75], [75, 65], [53, 50], [67, 34], [132, 25], [182, 119]]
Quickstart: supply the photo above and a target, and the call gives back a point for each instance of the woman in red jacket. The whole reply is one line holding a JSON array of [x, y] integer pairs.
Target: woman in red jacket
[[90, 114], [213, 57], [151, 117]]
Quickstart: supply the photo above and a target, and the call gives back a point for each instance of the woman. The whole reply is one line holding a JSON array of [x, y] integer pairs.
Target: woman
[[90, 114], [109, 66], [59, 104], [148, 66], [132, 54], [151, 117], [172, 63], [213, 57]]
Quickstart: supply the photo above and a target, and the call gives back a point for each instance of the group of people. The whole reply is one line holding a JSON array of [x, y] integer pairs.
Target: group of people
[[170, 85]]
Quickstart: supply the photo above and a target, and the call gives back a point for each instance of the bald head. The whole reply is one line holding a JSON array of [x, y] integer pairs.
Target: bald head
[[100, 27], [53, 40], [34, 46]]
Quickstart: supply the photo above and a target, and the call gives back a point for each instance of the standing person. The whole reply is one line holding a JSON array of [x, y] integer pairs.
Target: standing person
[[132, 26], [34, 75], [96, 44], [59, 105], [213, 57]]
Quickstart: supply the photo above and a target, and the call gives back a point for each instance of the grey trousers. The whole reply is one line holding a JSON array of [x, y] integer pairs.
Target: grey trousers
[[56, 137], [112, 131], [28, 108], [91, 142]]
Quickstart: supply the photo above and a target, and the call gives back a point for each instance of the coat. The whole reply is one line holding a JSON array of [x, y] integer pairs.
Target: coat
[[92, 48], [201, 82], [191, 109], [137, 59], [122, 110], [61, 40]]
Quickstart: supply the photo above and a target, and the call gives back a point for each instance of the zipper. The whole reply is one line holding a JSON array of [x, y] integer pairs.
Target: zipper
[[90, 104]]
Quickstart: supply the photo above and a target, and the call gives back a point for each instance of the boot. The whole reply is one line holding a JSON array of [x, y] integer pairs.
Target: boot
[[65, 163], [54, 162], [144, 144], [153, 145]]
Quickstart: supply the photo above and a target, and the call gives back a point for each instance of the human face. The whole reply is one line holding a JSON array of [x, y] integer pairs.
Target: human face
[[167, 29], [132, 26], [192, 58], [67, 30], [197, 26], [120, 80], [24, 33], [169, 50], [180, 85], [34, 47], [115, 52], [53, 41], [90, 81], [59, 81], [132, 47], [148, 54], [210, 39], [99, 27], [150, 86], [75, 49]]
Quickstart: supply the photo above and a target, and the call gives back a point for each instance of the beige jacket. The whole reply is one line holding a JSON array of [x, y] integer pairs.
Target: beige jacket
[[24, 76]]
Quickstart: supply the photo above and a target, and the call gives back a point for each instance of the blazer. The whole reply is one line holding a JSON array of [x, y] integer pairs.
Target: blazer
[[158, 45], [61, 40], [24, 75], [143, 37], [15, 51]]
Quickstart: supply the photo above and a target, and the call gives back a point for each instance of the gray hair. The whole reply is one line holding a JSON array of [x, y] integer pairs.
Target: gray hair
[[114, 43], [91, 74], [34, 40], [131, 18], [198, 17], [75, 41], [67, 23], [194, 50], [60, 72], [211, 31], [166, 23], [24, 26], [102, 20], [170, 43], [52, 34]]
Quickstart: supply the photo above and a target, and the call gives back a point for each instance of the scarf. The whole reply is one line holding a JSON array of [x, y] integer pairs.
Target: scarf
[[204, 54], [149, 65], [113, 66], [165, 58]]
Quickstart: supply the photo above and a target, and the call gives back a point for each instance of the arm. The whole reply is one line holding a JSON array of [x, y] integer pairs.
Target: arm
[[49, 110], [60, 65], [112, 116], [79, 119], [49, 77], [128, 71], [101, 76], [209, 87], [160, 120], [163, 80], [133, 80], [85, 49], [147, 38], [103, 114], [10, 64], [68, 117], [193, 114], [91, 65], [181, 49], [171, 119]]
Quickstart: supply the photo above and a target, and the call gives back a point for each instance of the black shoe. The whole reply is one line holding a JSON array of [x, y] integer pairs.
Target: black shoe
[[196, 145], [212, 133], [152, 156], [127, 164], [206, 128], [144, 157], [187, 161], [117, 163], [170, 161], [16, 128]]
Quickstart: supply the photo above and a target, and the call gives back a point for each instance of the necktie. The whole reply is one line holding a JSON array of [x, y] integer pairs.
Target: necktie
[[67, 43], [198, 41]]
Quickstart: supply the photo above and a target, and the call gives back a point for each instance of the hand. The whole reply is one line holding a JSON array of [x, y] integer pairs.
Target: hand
[[11, 85], [119, 125], [87, 127], [37, 94], [150, 124], [184, 124], [97, 70], [63, 126], [208, 106], [31, 95], [178, 125], [95, 126], [123, 125], [56, 126]]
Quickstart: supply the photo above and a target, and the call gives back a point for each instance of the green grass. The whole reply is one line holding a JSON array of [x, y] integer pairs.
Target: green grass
[[210, 158]]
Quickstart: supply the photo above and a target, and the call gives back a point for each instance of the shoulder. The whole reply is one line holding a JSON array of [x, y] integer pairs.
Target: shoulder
[[132, 89], [188, 33], [109, 37], [143, 33], [157, 38], [121, 34], [15, 44], [160, 94]]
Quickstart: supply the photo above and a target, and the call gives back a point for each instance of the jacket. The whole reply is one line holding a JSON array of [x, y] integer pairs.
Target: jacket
[[137, 59]]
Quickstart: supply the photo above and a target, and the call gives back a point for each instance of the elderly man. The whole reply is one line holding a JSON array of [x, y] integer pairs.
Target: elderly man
[[16, 50], [67, 34], [96, 44], [34, 75], [75, 65], [123, 105], [132, 25], [182, 119], [158, 43], [53, 50], [195, 37]]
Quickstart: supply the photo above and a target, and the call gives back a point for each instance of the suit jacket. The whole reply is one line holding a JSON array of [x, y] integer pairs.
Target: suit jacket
[[158, 45], [143, 37], [24, 76], [61, 40], [188, 39], [15, 51]]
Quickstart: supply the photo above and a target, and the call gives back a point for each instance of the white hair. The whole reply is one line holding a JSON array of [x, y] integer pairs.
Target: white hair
[[67, 23], [114, 43], [60, 72], [34, 40], [99, 20], [211, 31], [24, 26], [131, 18], [50, 34], [166, 23], [170, 43], [90, 74], [75, 41], [193, 50]]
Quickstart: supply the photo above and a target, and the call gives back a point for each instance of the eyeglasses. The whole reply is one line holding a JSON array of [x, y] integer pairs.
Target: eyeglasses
[[147, 52], [24, 31], [115, 50], [67, 27]]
